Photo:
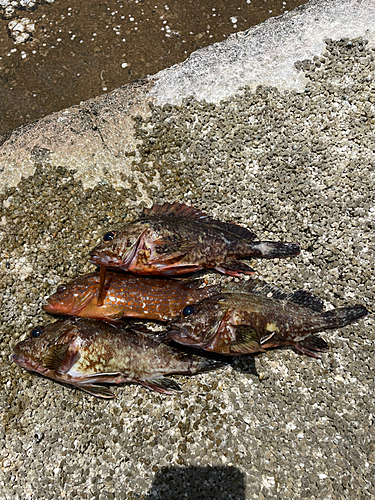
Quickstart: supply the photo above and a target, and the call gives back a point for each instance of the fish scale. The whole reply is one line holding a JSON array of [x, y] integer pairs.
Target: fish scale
[[87, 353], [127, 295], [237, 323], [174, 239]]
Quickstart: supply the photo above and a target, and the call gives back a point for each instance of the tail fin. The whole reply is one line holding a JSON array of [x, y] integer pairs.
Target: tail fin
[[273, 249], [344, 315], [202, 364]]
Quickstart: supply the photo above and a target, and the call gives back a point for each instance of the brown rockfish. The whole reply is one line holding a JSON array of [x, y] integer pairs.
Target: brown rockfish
[[257, 318], [127, 295], [174, 239], [85, 353]]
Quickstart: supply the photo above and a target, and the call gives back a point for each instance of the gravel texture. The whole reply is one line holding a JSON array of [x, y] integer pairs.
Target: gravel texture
[[9, 8], [293, 165]]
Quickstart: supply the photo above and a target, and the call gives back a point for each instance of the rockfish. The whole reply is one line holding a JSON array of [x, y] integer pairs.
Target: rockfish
[[85, 353], [127, 295], [174, 239], [259, 318]]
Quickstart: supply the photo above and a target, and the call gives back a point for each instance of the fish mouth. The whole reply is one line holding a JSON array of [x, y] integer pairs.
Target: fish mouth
[[27, 365], [118, 258], [102, 258], [51, 308], [107, 260], [62, 308]]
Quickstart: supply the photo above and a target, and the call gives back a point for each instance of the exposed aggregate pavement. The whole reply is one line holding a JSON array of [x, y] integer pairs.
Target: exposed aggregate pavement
[[297, 166]]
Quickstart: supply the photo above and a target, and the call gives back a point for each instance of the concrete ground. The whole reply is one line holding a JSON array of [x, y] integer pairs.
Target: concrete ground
[[274, 129]]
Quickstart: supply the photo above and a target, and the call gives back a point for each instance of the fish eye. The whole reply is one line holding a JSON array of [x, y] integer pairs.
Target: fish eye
[[37, 331], [189, 310], [109, 236], [61, 288]]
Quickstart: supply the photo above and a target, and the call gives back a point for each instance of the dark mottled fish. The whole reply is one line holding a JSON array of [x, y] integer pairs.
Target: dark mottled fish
[[85, 353], [127, 295], [174, 239], [258, 318]]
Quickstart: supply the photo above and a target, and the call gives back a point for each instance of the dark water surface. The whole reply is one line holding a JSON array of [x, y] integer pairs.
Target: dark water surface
[[81, 49]]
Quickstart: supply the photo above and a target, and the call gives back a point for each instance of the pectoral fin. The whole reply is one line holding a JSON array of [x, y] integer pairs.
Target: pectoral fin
[[247, 340], [56, 356], [306, 299], [111, 313], [167, 249], [163, 385]]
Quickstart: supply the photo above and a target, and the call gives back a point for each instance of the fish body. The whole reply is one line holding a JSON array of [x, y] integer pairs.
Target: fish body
[[126, 295], [174, 239], [85, 353], [244, 322]]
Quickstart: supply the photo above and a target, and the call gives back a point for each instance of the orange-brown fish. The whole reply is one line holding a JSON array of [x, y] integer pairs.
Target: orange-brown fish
[[87, 353], [250, 321], [127, 295], [174, 239]]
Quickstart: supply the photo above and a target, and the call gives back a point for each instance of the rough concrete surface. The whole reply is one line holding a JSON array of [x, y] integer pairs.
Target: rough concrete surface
[[290, 163]]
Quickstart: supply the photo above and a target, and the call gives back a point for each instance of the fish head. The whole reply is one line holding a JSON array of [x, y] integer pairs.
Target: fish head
[[72, 297], [118, 248], [198, 323], [48, 349]]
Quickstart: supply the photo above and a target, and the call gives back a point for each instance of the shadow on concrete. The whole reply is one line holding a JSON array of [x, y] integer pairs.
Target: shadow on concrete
[[198, 483], [245, 364]]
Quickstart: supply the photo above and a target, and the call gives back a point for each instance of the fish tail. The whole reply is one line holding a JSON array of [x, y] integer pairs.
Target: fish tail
[[273, 249], [344, 315], [201, 364], [337, 318]]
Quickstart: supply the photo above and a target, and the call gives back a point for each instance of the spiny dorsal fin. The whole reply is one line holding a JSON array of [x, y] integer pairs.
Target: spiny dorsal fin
[[234, 228], [306, 299], [177, 209], [300, 297], [257, 287]]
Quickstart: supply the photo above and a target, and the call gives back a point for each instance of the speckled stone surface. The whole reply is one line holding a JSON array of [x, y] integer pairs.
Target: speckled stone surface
[[297, 165]]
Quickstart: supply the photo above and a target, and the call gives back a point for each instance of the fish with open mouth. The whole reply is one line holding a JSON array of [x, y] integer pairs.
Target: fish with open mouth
[[174, 239], [259, 317], [127, 295], [86, 353]]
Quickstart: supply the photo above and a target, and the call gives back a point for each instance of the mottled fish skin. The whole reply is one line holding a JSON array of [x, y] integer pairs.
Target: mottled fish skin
[[127, 295], [174, 239], [85, 353], [242, 322]]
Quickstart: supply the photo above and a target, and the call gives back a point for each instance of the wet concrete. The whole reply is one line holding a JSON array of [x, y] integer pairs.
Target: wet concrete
[[83, 49]]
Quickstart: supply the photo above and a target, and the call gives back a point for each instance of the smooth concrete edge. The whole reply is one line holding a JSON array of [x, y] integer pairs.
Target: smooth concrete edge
[[95, 137], [266, 54]]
